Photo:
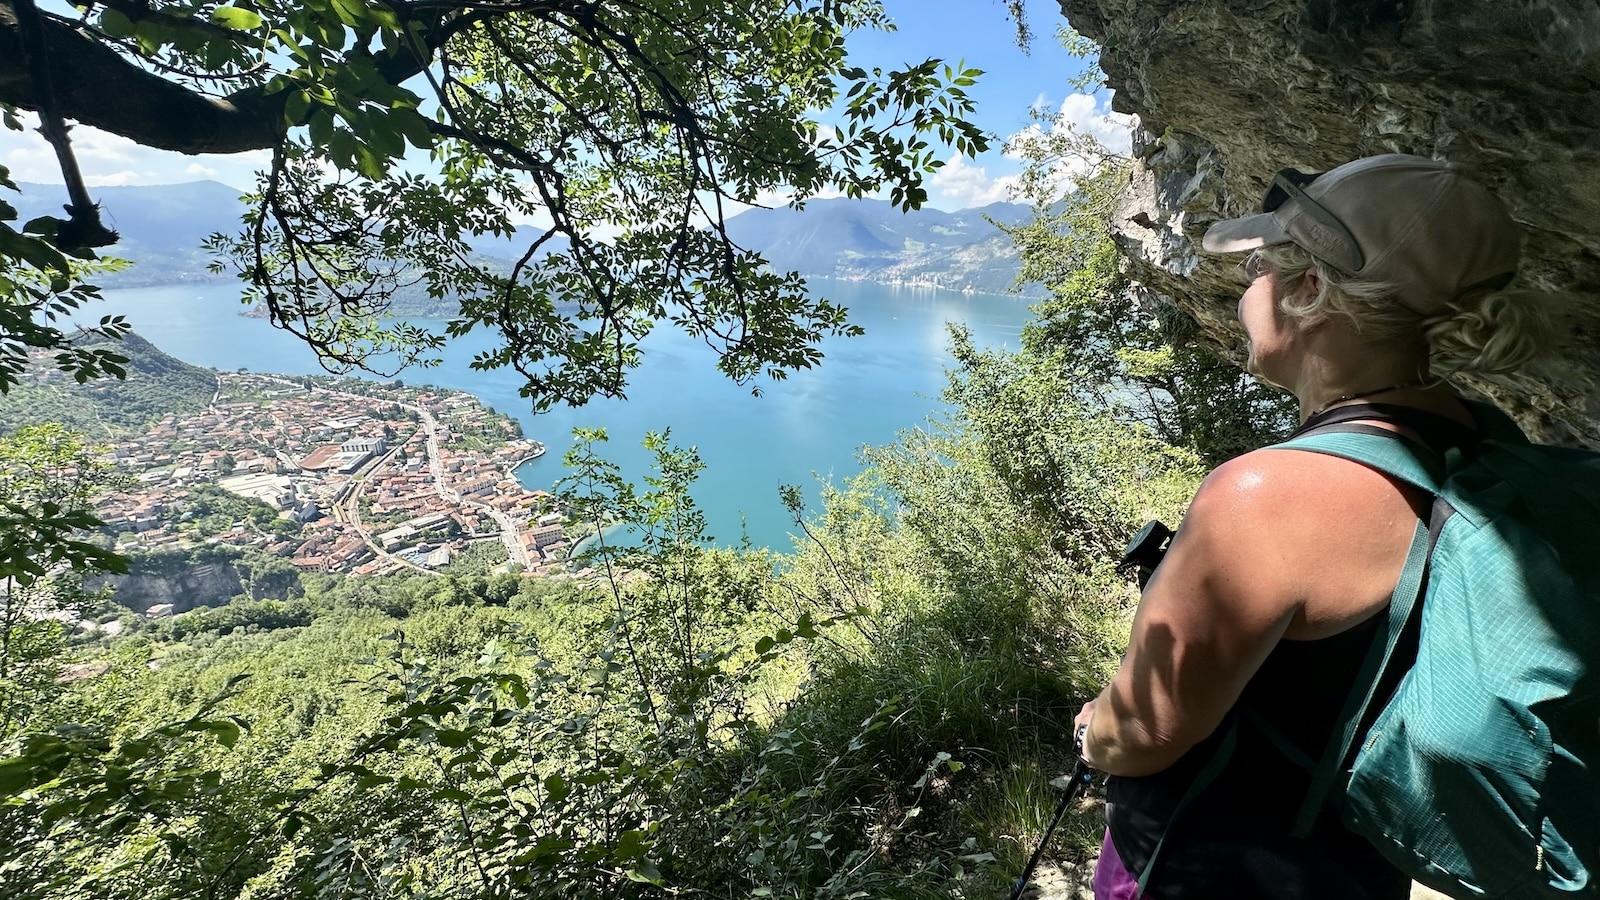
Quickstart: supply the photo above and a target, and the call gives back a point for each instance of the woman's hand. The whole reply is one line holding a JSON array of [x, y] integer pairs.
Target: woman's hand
[[1080, 729]]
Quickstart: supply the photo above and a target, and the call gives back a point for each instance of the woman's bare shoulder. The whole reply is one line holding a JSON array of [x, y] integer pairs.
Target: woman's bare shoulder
[[1316, 532], [1294, 496], [1270, 477]]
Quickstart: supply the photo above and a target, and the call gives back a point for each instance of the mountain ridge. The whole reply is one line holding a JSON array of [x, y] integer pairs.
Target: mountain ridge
[[163, 227]]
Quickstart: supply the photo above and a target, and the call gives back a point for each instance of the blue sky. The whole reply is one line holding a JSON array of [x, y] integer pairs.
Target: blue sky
[[978, 33]]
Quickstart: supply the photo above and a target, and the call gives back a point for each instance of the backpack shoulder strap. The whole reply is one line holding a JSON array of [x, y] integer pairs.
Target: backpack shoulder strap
[[1385, 451], [1404, 604]]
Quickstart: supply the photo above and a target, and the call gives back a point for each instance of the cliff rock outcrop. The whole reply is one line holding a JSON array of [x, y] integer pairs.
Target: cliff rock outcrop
[[201, 576], [1230, 91]]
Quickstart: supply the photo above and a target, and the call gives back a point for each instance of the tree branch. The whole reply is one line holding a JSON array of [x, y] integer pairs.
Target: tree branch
[[96, 86], [83, 228]]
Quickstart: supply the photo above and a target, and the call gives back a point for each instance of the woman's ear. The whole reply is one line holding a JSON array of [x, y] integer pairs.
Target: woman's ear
[[1307, 284], [1311, 281]]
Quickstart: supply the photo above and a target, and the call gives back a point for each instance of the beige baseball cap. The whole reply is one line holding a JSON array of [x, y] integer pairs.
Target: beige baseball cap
[[1409, 221]]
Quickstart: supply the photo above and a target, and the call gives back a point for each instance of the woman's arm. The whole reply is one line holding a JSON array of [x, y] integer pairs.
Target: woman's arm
[[1219, 602]]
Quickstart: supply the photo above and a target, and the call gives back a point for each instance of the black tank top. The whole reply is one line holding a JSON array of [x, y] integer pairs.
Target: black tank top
[[1234, 839]]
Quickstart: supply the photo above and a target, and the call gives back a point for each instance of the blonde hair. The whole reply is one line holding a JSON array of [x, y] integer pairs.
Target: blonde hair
[[1484, 332]]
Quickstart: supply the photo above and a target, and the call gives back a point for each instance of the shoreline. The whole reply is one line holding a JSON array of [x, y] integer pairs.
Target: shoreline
[[514, 468], [257, 311], [539, 451]]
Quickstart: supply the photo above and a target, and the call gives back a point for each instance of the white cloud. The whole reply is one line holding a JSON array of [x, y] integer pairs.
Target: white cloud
[[1080, 115], [92, 145], [960, 185], [1092, 117], [28, 157], [109, 159], [117, 179]]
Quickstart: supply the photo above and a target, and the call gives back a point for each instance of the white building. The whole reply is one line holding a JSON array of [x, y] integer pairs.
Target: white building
[[274, 490]]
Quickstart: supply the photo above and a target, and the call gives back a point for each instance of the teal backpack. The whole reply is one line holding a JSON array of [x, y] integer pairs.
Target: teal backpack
[[1479, 775]]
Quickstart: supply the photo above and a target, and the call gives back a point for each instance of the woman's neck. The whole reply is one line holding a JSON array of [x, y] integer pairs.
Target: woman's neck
[[1342, 371]]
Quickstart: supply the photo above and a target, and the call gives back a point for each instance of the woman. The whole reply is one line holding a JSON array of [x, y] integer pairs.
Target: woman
[[1366, 284]]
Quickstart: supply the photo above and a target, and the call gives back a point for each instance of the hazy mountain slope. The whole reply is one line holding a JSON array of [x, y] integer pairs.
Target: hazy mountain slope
[[874, 241], [163, 226], [157, 384]]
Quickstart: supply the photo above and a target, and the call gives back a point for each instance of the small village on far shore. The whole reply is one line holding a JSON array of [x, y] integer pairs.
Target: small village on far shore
[[363, 478]]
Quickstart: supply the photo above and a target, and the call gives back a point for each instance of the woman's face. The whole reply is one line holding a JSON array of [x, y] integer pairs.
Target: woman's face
[[1276, 339]]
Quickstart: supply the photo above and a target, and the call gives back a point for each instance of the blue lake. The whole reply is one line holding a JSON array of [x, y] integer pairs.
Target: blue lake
[[811, 425]]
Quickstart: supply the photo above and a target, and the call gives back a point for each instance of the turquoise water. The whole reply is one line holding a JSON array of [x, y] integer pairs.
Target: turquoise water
[[866, 390]]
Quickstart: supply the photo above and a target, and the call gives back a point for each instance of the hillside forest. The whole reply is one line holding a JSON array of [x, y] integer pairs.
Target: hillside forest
[[877, 712]]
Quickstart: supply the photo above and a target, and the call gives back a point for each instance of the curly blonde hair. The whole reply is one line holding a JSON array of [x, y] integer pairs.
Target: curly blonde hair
[[1484, 332]]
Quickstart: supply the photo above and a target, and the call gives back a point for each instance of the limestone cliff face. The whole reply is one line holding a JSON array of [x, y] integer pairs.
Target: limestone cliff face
[[1230, 91], [202, 576], [203, 584]]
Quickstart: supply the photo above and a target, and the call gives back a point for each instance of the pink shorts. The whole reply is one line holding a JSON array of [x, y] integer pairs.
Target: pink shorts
[[1112, 880]]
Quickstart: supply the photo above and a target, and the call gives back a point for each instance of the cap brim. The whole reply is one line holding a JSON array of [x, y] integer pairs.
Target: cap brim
[[1246, 233]]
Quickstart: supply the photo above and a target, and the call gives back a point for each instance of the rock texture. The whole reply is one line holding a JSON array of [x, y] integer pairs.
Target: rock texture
[[208, 576], [1230, 91]]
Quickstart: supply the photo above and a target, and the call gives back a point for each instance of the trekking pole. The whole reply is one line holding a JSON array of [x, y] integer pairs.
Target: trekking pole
[[1144, 553], [1081, 775]]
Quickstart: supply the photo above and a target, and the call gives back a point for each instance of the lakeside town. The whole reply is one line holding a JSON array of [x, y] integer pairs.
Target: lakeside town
[[362, 478]]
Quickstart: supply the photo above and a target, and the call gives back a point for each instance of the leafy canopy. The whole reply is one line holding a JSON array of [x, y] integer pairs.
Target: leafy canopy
[[627, 130], [1126, 351]]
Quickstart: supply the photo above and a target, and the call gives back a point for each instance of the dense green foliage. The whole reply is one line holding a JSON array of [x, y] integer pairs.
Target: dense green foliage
[[478, 558], [208, 510], [156, 385], [49, 477], [1133, 354]]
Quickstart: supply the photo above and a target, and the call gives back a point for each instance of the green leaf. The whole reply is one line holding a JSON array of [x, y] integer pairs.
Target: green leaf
[[44, 226], [633, 845], [16, 776], [235, 19], [645, 872], [32, 251], [115, 24], [350, 12], [414, 126], [556, 788], [295, 106], [321, 127], [226, 731]]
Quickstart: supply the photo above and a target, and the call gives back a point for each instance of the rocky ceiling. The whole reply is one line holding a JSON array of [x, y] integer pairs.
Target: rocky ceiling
[[1230, 91]]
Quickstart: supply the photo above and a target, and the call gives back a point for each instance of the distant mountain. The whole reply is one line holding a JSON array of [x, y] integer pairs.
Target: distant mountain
[[106, 408], [874, 241], [163, 226]]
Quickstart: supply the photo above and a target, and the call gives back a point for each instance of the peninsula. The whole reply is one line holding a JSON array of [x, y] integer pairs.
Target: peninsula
[[341, 475]]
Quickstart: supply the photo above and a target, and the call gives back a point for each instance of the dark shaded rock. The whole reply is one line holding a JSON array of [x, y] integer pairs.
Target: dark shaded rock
[[1230, 91]]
